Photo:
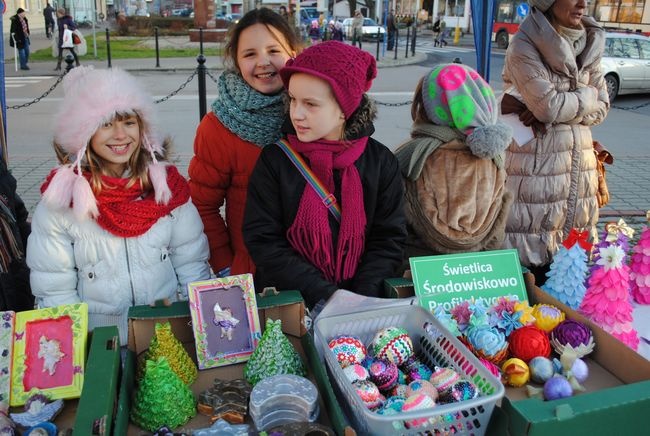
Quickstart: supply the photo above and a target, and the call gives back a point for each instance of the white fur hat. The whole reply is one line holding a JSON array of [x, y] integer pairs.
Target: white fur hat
[[91, 99]]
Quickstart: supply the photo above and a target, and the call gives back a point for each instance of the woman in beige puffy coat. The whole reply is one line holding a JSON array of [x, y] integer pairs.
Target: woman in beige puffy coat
[[553, 67]]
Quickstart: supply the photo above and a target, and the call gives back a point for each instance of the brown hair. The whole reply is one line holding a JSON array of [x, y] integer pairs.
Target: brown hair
[[269, 19]]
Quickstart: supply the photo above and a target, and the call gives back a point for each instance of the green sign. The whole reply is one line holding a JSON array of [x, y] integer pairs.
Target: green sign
[[448, 280]]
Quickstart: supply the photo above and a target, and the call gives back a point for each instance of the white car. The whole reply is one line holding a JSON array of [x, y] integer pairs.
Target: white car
[[626, 64], [370, 29]]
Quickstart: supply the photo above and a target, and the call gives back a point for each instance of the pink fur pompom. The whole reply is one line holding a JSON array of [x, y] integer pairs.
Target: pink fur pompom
[[58, 194], [158, 176], [83, 200]]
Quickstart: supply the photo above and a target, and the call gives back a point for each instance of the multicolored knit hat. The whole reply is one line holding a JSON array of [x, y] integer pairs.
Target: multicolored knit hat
[[349, 71], [541, 5], [91, 99], [455, 95]]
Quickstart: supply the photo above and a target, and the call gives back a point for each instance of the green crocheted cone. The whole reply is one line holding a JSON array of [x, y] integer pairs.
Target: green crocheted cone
[[165, 344], [162, 398], [274, 355]]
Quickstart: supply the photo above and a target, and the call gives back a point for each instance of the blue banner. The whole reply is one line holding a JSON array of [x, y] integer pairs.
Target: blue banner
[[482, 21]]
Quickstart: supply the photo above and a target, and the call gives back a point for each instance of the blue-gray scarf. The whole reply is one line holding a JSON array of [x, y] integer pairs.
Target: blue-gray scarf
[[251, 115]]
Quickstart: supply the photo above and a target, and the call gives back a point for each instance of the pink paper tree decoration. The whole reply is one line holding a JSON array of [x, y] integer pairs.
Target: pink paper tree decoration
[[607, 301], [566, 278], [640, 267]]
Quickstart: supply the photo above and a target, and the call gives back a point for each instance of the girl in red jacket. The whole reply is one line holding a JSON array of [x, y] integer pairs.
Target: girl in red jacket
[[246, 116]]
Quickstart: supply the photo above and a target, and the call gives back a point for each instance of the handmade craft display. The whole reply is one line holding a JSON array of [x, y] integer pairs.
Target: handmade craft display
[[573, 334], [566, 278], [515, 372], [640, 267], [49, 352], [162, 398], [349, 350], [224, 320], [164, 344], [38, 408], [274, 355], [7, 321]]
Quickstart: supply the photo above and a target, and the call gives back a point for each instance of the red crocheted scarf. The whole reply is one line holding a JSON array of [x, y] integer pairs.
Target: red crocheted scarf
[[129, 212]]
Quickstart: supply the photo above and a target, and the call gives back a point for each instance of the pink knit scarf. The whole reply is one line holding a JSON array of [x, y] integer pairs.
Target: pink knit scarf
[[310, 233]]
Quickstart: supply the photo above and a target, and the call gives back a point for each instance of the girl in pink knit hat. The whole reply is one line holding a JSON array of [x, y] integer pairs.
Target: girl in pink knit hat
[[115, 227], [295, 239]]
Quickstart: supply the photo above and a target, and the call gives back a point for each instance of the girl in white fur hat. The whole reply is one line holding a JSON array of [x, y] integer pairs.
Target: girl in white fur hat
[[116, 226]]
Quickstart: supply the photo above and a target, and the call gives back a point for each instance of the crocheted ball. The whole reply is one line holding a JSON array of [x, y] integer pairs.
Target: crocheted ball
[[399, 390], [417, 402], [369, 393], [416, 370], [574, 333], [392, 344], [515, 372], [541, 369], [491, 367], [392, 405], [488, 343], [547, 317], [348, 350], [383, 374], [557, 387], [401, 377], [422, 387], [443, 379], [460, 391], [528, 342], [356, 372]]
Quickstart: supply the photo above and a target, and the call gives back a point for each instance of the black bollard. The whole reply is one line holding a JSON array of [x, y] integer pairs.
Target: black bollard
[[415, 28], [408, 38], [202, 92], [378, 42], [396, 43], [69, 60], [157, 48], [108, 47]]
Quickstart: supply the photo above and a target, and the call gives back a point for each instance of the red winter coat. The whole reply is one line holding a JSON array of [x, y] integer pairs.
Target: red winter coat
[[219, 173]]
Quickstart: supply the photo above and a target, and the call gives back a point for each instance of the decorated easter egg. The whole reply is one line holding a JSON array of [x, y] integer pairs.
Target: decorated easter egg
[[355, 372], [443, 379], [417, 402], [515, 372], [422, 387], [348, 350], [369, 393], [541, 369], [383, 374], [392, 344], [461, 390]]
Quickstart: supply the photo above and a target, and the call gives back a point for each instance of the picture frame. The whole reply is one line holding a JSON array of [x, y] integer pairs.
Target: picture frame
[[7, 322], [225, 320], [49, 352]]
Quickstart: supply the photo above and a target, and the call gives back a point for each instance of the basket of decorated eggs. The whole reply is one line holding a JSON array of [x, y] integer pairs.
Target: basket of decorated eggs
[[400, 372]]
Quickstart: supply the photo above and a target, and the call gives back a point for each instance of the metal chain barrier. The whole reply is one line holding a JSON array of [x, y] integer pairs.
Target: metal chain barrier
[[393, 104], [214, 79], [176, 91], [45, 94]]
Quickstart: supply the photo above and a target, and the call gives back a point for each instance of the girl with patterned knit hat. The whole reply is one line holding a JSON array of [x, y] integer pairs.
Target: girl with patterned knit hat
[[295, 239], [246, 116], [452, 165], [115, 226]]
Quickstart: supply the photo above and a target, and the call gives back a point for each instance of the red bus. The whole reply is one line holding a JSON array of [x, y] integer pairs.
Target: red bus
[[614, 15]]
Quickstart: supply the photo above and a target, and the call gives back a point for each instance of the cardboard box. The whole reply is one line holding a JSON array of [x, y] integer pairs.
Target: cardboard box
[[618, 388], [287, 305]]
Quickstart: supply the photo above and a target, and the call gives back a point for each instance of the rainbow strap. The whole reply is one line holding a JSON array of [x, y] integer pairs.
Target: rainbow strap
[[329, 200]]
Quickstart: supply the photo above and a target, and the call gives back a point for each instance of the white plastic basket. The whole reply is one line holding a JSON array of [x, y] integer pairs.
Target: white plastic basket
[[434, 345]]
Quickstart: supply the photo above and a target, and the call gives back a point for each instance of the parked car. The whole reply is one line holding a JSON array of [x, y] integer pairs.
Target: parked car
[[370, 29], [626, 64]]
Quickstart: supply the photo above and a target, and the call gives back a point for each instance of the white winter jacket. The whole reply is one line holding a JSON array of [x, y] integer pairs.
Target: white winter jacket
[[74, 261]]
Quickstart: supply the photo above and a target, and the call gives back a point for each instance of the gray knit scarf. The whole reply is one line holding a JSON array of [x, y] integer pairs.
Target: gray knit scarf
[[251, 115]]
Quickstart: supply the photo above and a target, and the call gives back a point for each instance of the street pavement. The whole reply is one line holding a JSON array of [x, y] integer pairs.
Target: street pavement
[[628, 178]]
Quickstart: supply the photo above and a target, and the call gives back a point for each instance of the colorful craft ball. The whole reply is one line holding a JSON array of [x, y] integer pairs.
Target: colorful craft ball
[[462, 390], [547, 317], [392, 405], [417, 371], [491, 367], [422, 387], [580, 370], [399, 390], [575, 334], [541, 369], [443, 378], [515, 372], [355, 373], [528, 342], [487, 342], [348, 350], [414, 403], [383, 374], [392, 344], [401, 377], [557, 387], [369, 393]]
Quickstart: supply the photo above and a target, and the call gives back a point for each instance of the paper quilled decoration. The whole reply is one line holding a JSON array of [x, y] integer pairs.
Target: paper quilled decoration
[[49, 352]]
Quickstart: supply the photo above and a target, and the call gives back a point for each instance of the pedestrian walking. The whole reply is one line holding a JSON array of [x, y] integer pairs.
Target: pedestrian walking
[[48, 15], [357, 28], [392, 30], [19, 37], [440, 31], [65, 21]]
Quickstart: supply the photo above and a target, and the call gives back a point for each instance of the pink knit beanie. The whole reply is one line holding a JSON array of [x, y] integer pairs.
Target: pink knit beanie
[[92, 98], [347, 69]]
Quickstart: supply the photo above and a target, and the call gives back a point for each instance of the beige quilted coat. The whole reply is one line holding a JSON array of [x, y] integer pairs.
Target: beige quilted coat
[[553, 177]]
